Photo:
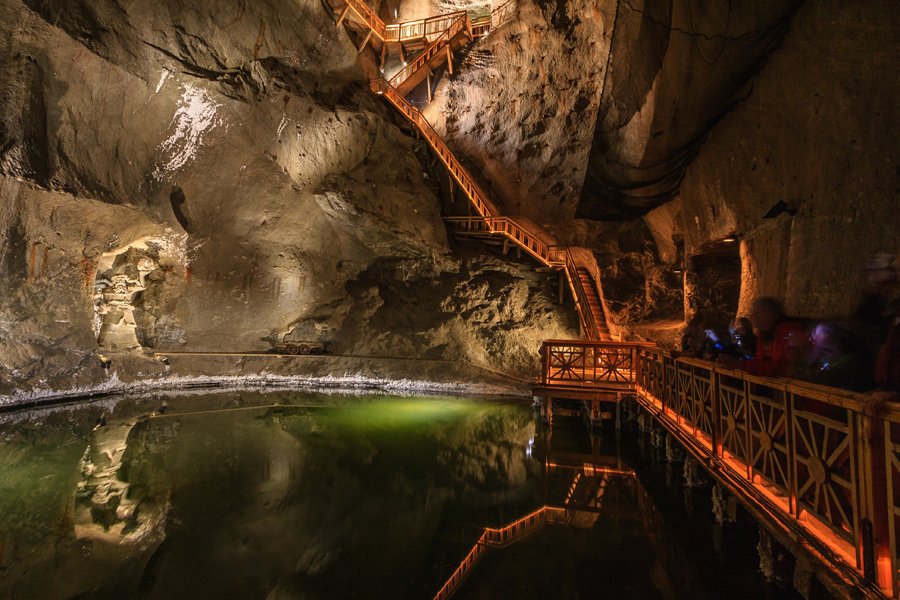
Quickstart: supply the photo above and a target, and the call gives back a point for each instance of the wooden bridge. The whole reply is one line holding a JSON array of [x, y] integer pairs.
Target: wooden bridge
[[819, 464]]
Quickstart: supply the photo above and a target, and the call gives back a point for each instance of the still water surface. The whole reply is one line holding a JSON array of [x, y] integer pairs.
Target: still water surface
[[307, 496]]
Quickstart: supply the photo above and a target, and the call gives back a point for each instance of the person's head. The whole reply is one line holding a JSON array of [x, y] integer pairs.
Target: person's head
[[766, 313], [741, 327], [829, 338]]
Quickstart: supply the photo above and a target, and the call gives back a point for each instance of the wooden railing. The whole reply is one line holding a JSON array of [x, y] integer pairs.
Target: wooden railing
[[589, 363], [458, 24], [498, 16], [555, 257], [422, 28], [589, 325], [490, 219], [368, 16], [479, 200], [823, 462], [498, 538], [515, 232]]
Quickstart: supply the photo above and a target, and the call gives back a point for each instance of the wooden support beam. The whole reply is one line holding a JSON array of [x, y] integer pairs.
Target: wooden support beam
[[402, 55], [449, 59], [383, 54], [343, 14], [505, 246], [450, 183], [562, 286], [365, 41], [428, 83]]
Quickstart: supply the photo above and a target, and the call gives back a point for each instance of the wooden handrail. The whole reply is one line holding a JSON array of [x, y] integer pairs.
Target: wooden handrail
[[822, 462], [525, 238], [368, 15], [459, 23], [588, 323], [479, 200], [421, 28]]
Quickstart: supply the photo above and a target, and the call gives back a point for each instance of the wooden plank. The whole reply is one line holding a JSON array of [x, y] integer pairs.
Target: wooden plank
[[365, 41], [343, 14]]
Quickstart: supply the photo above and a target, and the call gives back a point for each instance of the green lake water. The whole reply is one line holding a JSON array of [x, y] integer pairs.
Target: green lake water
[[308, 496]]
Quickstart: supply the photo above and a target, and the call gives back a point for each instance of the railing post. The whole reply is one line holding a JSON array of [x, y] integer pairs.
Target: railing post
[[791, 443], [716, 407], [636, 364], [748, 426], [874, 543], [545, 362]]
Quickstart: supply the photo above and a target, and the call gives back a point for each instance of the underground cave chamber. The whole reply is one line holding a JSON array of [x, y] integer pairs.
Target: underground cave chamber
[[433, 299]]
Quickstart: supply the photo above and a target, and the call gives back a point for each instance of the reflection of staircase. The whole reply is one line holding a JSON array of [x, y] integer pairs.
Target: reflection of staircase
[[440, 37], [498, 538]]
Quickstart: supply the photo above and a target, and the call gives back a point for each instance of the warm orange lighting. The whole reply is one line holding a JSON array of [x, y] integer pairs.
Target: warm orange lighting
[[499, 538], [729, 240]]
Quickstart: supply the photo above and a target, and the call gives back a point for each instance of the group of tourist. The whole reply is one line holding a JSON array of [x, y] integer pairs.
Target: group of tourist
[[859, 353]]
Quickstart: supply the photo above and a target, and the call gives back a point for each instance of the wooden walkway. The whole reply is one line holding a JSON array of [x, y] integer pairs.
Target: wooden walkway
[[436, 39], [819, 465]]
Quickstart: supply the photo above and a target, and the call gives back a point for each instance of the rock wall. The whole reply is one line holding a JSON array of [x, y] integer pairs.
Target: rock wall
[[522, 106], [817, 134], [204, 177]]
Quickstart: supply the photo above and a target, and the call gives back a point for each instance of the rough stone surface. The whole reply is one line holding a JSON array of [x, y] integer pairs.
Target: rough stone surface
[[818, 133], [195, 178], [522, 108], [210, 177]]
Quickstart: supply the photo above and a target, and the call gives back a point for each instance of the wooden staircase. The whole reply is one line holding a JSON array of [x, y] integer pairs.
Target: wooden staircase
[[441, 36], [593, 304], [454, 37]]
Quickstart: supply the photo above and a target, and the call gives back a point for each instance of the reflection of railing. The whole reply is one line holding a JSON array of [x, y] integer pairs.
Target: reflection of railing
[[823, 462], [588, 363], [498, 538]]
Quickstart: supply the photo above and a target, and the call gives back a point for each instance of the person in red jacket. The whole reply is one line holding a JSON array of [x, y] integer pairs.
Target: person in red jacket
[[781, 342]]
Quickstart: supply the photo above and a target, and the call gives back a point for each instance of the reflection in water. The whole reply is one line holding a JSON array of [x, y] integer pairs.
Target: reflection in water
[[248, 495]]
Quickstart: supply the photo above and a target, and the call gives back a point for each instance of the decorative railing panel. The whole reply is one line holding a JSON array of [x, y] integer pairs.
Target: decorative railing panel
[[824, 461], [892, 479], [732, 393], [826, 481], [769, 438], [422, 28], [578, 363]]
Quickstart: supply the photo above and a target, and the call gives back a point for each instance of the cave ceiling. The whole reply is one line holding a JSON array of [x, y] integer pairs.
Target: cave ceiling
[[675, 68]]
